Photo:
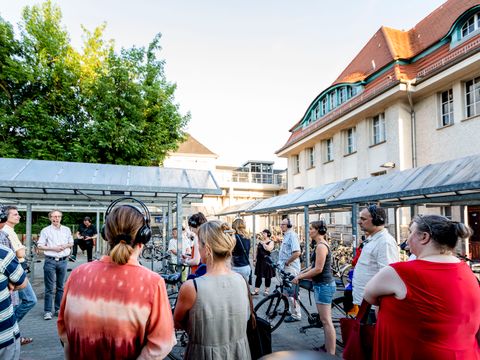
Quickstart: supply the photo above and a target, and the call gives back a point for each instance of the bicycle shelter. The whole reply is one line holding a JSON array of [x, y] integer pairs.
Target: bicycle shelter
[[40, 185], [450, 183]]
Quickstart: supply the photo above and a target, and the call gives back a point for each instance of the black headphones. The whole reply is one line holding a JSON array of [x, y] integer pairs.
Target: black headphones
[[377, 219], [145, 232], [3, 214], [289, 223], [323, 229], [192, 222]]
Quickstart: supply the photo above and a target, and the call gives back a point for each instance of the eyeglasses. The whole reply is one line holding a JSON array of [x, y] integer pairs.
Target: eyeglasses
[[430, 231]]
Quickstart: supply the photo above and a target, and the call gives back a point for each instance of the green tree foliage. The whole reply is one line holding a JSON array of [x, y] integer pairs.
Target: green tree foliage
[[94, 106]]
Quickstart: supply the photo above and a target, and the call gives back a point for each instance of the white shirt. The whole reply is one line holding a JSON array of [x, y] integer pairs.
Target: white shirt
[[14, 240], [185, 247], [380, 250], [52, 236]]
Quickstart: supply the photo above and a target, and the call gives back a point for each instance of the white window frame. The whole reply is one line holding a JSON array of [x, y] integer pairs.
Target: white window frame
[[310, 157], [331, 98], [342, 95], [446, 108], [296, 164], [328, 150], [378, 129], [471, 25], [350, 141], [472, 97], [324, 106]]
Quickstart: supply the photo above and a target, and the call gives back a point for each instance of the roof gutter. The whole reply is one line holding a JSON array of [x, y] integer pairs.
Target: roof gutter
[[413, 124]]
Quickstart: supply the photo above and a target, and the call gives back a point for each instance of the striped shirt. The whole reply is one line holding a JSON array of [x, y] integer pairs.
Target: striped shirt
[[10, 271]]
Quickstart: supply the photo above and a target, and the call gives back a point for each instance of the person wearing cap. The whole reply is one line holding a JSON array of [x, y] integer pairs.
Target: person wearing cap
[[86, 237]]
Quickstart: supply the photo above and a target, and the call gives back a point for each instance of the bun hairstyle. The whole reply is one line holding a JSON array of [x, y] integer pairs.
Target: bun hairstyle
[[443, 231], [120, 231], [320, 226], [196, 220], [239, 226], [215, 236]]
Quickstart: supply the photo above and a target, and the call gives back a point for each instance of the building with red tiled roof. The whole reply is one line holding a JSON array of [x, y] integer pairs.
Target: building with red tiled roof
[[407, 99]]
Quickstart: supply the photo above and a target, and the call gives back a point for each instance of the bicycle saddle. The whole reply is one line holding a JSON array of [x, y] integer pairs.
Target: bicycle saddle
[[172, 279]]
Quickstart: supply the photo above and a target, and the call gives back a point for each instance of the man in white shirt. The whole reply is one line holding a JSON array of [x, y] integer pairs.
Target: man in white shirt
[[27, 296], [289, 261], [55, 240], [185, 245], [380, 249]]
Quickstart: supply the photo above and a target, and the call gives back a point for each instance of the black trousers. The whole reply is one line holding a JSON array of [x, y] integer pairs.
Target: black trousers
[[84, 245], [258, 282]]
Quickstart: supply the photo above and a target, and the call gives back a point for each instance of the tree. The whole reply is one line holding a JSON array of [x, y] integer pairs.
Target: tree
[[95, 106]]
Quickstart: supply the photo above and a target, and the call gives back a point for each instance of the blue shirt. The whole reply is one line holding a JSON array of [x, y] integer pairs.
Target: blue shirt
[[10, 271], [290, 244]]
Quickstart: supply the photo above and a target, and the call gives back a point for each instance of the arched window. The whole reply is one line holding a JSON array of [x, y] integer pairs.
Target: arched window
[[471, 25]]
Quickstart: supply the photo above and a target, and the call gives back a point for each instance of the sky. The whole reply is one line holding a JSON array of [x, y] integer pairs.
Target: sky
[[246, 70]]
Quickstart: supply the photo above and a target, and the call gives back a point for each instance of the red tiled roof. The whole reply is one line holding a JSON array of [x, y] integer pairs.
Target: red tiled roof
[[389, 44]]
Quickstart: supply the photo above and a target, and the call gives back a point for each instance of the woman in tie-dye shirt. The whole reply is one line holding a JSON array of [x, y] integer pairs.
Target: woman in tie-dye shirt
[[115, 308]]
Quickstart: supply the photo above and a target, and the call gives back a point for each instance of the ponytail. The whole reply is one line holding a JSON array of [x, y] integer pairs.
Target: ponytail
[[121, 253]]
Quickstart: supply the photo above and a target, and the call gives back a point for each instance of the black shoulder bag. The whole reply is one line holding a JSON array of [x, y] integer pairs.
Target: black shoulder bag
[[250, 280], [259, 334]]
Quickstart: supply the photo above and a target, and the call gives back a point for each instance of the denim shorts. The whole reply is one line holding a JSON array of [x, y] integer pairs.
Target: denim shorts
[[324, 292]]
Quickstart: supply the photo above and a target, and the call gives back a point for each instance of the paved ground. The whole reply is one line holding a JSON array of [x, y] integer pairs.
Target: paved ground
[[46, 345]]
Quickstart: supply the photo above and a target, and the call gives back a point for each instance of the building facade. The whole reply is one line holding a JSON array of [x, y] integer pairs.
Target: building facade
[[254, 180], [408, 99]]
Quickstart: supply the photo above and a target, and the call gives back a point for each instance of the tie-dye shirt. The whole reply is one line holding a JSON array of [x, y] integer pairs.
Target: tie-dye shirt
[[112, 311]]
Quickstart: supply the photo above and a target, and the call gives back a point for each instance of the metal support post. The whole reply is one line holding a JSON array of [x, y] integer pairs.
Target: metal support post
[[179, 228], [28, 240], [307, 238], [397, 225], [354, 227]]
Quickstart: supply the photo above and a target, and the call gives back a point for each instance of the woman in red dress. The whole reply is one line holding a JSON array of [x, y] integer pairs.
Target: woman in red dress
[[429, 307]]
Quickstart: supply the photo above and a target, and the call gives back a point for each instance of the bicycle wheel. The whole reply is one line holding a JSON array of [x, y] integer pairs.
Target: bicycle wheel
[[147, 253], [273, 309]]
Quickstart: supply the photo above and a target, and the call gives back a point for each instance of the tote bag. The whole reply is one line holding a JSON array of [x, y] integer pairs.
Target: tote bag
[[357, 335]]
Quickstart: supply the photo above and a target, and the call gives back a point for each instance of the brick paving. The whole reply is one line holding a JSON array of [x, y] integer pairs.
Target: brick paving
[[46, 345]]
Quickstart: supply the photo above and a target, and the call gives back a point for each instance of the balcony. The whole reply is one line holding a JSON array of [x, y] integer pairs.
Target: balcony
[[275, 181]]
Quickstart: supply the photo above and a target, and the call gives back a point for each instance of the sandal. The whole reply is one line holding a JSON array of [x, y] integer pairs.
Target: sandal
[[25, 340], [255, 293], [266, 293]]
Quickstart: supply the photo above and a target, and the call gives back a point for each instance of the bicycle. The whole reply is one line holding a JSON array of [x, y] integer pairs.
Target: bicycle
[[175, 280], [153, 248], [274, 308]]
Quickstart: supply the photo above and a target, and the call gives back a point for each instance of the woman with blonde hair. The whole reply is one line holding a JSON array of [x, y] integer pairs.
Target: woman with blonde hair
[[214, 309], [115, 308], [240, 257]]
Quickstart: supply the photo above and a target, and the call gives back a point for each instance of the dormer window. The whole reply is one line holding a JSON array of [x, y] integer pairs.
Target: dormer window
[[342, 95], [471, 25]]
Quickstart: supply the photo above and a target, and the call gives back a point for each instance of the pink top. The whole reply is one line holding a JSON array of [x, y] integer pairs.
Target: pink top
[[439, 317], [116, 312]]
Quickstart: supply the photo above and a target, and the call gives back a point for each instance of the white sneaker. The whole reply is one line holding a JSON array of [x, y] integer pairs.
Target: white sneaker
[[47, 316]]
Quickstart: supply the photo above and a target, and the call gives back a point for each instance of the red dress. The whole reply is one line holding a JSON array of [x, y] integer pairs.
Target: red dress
[[438, 319]]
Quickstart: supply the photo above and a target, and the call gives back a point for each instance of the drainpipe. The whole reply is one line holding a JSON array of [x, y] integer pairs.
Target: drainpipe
[[413, 125]]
